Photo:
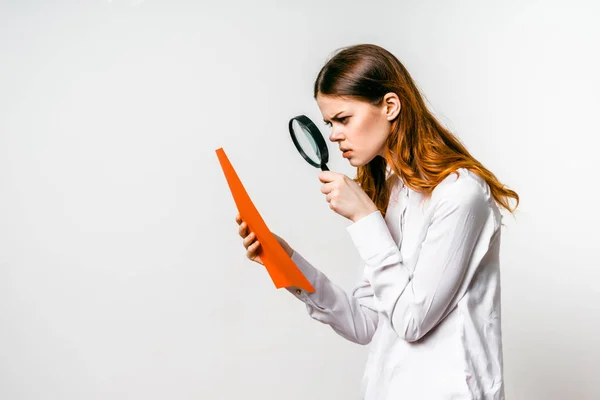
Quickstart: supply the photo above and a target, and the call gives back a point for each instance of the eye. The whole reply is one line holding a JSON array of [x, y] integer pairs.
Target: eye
[[341, 120]]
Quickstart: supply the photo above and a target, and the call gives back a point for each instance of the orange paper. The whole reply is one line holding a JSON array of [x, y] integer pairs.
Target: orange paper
[[280, 266]]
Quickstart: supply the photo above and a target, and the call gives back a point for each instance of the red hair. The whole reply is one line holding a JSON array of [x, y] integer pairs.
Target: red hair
[[419, 149]]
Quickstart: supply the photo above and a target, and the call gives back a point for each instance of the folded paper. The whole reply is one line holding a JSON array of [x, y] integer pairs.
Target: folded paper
[[281, 268]]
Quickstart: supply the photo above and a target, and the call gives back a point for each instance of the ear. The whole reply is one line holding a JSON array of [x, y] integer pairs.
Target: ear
[[392, 106]]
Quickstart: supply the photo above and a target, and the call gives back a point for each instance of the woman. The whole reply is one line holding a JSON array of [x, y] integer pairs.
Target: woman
[[425, 221]]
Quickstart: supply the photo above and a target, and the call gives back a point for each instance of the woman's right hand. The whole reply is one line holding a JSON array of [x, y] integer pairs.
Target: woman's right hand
[[252, 245]]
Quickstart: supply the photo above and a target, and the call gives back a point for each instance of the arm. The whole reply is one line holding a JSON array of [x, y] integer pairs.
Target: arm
[[351, 315], [416, 302]]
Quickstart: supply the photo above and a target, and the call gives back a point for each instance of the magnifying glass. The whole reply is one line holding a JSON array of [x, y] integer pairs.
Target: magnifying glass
[[309, 141]]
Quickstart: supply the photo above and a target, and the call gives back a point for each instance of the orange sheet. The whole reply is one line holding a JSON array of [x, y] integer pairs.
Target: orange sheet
[[280, 266]]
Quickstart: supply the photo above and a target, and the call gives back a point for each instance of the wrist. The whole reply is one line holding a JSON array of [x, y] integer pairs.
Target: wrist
[[288, 250], [363, 214]]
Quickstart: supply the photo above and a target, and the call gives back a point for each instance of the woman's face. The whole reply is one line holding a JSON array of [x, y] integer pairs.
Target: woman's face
[[359, 128]]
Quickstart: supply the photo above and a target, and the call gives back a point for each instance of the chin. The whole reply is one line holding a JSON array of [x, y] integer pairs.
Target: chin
[[356, 162]]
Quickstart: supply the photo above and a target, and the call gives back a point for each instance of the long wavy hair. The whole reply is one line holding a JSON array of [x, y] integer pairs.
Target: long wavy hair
[[419, 149]]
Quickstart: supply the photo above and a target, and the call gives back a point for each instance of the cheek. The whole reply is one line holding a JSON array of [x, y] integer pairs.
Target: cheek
[[379, 131], [367, 135]]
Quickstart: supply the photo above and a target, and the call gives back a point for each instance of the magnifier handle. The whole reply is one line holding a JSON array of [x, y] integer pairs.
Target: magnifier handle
[[324, 167]]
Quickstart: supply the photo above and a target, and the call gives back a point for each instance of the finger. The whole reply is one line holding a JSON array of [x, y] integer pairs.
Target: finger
[[238, 219], [327, 176], [243, 229], [253, 250], [248, 240], [254, 247], [326, 188]]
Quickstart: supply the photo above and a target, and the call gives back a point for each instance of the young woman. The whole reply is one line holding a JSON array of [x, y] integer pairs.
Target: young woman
[[425, 221]]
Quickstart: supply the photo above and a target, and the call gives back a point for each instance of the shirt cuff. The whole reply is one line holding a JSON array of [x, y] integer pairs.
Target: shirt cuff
[[310, 273], [305, 267], [371, 235]]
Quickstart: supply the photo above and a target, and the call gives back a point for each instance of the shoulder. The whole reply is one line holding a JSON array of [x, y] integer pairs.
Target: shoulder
[[463, 190]]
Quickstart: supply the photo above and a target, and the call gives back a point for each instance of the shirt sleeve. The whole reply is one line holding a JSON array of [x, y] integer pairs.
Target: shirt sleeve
[[415, 302], [352, 315]]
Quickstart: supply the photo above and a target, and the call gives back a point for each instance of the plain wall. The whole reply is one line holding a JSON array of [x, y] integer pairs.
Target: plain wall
[[121, 271]]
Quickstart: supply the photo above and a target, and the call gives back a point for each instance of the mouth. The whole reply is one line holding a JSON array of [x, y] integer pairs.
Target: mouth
[[346, 153]]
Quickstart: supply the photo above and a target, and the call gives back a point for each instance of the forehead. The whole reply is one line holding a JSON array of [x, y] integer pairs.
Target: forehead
[[335, 103]]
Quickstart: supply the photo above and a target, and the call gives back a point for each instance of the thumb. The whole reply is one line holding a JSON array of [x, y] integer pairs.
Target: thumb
[[327, 176]]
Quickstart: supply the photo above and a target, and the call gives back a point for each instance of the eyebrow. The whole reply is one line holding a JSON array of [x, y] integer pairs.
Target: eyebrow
[[334, 117]]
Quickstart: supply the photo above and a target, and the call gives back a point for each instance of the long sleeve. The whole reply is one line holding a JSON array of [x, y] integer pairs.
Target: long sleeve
[[416, 298], [351, 315]]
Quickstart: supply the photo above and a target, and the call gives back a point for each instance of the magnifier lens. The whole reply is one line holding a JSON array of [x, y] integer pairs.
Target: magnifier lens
[[306, 141], [309, 141]]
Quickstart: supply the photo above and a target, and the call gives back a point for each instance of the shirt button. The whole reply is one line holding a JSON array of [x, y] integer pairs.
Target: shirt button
[[298, 291]]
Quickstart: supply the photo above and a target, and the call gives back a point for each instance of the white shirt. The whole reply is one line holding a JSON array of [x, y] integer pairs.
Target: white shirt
[[428, 303]]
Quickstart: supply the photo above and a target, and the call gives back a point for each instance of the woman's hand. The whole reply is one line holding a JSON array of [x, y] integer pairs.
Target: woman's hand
[[252, 245], [345, 197]]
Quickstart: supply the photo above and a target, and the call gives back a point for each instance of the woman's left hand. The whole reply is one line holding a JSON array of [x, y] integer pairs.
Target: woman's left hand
[[345, 196]]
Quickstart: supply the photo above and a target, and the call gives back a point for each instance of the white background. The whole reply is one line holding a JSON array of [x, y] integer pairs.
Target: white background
[[121, 272]]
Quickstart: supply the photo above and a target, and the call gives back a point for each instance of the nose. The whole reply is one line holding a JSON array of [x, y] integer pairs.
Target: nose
[[336, 134]]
